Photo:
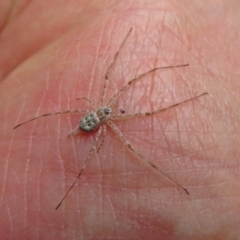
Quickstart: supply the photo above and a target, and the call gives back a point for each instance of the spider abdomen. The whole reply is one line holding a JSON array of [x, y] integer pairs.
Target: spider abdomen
[[89, 122]]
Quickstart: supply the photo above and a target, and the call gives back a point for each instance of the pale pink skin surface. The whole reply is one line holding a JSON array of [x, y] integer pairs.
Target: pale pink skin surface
[[54, 51]]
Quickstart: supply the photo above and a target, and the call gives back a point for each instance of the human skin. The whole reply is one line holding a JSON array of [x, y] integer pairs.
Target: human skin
[[53, 52]]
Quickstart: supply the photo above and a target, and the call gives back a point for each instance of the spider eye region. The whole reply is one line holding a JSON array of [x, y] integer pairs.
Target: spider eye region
[[89, 122]]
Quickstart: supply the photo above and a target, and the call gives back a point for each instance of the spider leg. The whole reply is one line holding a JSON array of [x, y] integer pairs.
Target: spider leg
[[103, 137], [106, 82], [90, 101], [93, 147], [125, 116], [49, 114], [129, 145], [123, 89]]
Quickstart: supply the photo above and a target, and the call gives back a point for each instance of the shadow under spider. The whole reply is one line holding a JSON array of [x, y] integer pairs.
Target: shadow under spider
[[103, 116]]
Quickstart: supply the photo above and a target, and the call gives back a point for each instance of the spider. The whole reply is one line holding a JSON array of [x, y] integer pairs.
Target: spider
[[103, 116]]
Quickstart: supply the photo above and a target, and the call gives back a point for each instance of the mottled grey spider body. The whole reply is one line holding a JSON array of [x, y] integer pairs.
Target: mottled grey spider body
[[92, 120], [104, 116]]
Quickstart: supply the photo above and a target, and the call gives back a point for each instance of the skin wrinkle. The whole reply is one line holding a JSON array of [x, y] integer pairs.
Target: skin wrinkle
[[25, 180], [18, 9], [194, 213], [159, 43], [106, 83], [165, 137], [5, 173], [200, 143], [28, 163], [149, 201], [6, 111], [40, 176], [101, 197], [10, 219], [179, 138], [5, 178], [195, 136], [178, 141], [72, 127], [97, 156], [213, 210], [64, 176], [73, 144], [114, 214], [78, 195], [180, 31], [95, 61]]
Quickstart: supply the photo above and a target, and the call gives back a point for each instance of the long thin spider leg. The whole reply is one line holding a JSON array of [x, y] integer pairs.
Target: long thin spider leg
[[125, 116], [90, 101], [117, 95], [110, 67], [49, 114], [93, 147], [129, 145], [103, 137]]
